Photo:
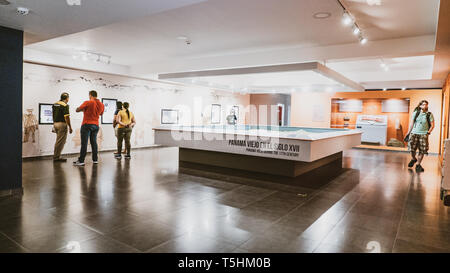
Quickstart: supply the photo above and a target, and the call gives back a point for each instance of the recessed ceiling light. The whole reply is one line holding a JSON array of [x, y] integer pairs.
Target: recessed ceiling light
[[404, 88], [322, 15], [384, 89]]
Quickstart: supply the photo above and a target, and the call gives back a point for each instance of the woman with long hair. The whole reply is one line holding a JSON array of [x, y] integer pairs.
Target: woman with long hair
[[119, 107], [126, 121]]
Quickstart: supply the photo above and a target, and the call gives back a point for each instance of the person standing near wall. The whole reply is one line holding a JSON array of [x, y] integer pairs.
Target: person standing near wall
[[61, 121], [422, 124], [92, 109], [119, 108], [231, 118], [126, 121]]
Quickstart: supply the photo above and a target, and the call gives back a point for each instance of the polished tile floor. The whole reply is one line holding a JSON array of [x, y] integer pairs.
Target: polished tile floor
[[145, 205]]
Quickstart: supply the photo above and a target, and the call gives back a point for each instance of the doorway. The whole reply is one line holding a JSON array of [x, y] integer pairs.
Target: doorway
[[280, 114]]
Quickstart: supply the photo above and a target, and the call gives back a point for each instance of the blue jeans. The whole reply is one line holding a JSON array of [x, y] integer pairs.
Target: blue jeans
[[88, 132]]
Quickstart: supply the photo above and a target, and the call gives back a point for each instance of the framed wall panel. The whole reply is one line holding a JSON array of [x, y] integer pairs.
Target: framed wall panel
[[169, 116], [395, 106], [45, 113], [216, 112], [110, 108]]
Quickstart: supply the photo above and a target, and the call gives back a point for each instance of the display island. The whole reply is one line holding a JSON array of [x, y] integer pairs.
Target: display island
[[261, 151]]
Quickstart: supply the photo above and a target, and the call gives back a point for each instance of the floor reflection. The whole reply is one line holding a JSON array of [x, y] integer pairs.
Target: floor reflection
[[146, 205]]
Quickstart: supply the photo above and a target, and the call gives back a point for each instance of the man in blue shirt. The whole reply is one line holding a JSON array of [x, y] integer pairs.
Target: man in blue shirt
[[422, 123]]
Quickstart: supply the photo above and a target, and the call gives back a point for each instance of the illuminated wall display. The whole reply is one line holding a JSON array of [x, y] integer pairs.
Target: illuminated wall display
[[45, 113], [395, 106]]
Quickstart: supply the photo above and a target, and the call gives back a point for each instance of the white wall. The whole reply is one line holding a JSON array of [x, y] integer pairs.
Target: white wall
[[44, 84]]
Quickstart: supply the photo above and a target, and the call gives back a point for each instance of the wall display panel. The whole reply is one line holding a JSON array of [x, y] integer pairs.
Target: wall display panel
[[395, 106], [45, 113], [318, 115], [169, 116], [351, 106], [397, 121], [110, 108], [43, 83], [216, 111]]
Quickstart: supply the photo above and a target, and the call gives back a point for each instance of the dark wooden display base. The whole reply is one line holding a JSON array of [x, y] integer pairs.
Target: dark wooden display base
[[306, 174]]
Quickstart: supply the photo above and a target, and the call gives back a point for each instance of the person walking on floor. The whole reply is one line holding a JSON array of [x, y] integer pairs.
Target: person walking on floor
[[61, 122], [422, 124], [126, 121], [119, 107], [92, 109]]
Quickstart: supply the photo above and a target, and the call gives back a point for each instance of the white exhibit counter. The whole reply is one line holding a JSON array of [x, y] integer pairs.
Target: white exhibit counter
[[287, 143]]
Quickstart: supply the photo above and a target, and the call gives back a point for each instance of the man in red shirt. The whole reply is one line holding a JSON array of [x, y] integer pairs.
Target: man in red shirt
[[93, 109]]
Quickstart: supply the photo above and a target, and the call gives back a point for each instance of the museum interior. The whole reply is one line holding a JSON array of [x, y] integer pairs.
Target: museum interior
[[257, 126]]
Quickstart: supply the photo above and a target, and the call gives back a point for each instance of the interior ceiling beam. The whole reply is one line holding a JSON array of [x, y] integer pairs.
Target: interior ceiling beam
[[309, 66], [330, 73], [242, 70], [419, 84]]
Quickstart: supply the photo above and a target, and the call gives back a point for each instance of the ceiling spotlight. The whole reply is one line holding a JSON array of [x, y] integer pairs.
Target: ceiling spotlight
[[362, 40], [356, 30], [347, 18]]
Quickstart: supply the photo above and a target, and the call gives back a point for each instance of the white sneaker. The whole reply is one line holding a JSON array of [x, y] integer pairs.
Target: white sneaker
[[78, 163], [95, 162]]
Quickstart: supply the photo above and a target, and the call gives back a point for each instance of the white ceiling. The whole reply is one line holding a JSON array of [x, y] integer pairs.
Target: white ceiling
[[218, 27], [398, 69], [54, 18], [142, 34]]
